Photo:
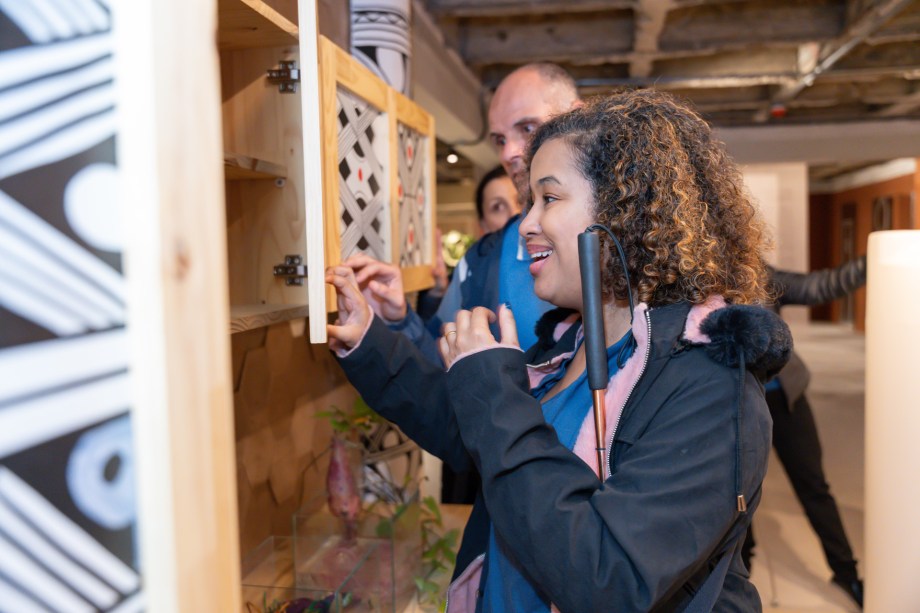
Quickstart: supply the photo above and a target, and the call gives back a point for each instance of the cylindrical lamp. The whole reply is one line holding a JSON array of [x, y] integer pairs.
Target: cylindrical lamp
[[892, 531]]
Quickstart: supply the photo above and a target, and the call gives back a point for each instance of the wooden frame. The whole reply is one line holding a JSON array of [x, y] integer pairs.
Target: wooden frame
[[339, 71], [169, 153]]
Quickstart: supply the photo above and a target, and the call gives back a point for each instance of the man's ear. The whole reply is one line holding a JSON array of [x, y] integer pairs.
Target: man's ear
[[577, 104]]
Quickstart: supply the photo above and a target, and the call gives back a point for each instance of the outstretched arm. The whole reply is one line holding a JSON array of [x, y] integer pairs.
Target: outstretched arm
[[819, 286], [391, 375]]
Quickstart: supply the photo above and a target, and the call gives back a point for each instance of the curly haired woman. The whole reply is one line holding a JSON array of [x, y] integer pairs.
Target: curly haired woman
[[687, 425]]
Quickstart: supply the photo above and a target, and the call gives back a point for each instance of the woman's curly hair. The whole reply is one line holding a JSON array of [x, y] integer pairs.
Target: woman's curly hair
[[670, 194]]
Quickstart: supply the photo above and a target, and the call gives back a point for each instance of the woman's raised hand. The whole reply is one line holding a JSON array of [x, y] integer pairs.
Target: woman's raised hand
[[381, 284], [354, 311], [470, 333]]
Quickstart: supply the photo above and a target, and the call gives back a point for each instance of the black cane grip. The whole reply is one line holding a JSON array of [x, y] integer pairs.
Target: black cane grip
[[589, 252]]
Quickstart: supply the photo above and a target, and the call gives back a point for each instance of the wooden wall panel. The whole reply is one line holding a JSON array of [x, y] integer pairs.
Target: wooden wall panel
[[281, 381], [862, 199]]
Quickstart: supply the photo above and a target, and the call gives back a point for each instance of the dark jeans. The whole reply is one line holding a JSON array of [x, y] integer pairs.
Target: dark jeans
[[795, 438]]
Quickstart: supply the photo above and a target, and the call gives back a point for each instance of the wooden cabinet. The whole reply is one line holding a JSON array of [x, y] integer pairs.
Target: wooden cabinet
[[224, 178], [264, 140]]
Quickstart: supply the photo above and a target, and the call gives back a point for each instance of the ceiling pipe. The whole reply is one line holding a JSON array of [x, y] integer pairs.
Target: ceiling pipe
[[867, 24]]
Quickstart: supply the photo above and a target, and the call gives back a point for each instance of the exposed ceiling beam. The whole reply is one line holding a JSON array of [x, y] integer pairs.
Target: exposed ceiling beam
[[871, 73], [650, 16], [558, 40], [844, 142], [516, 8], [592, 39], [863, 27], [690, 82], [901, 107], [751, 23]]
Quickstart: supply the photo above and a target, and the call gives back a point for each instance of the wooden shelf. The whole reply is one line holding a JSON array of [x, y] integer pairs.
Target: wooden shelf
[[244, 24], [251, 316], [240, 167]]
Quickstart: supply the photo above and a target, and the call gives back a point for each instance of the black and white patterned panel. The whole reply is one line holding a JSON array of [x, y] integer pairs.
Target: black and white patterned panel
[[381, 39], [413, 197], [67, 489], [363, 182]]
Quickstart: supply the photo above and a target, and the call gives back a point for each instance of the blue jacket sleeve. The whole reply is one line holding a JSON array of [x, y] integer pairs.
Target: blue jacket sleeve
[[413, 328], [452, 300]]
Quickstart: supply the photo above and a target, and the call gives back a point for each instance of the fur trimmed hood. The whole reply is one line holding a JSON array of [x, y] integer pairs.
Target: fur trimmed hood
[[749, 333], [731, 333]]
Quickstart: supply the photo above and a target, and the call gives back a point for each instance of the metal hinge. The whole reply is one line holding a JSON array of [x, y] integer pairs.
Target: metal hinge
[[293, 271], [286, 76]]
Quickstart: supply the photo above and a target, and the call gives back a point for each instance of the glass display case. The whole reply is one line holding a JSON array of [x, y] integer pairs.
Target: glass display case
[[392, 530], [331, 577]]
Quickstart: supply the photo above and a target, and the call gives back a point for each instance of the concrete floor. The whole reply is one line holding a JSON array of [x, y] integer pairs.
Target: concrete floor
[[789, 568]]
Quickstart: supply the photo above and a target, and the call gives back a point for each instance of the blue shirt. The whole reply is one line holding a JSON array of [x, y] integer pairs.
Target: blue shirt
[[506, 589], [515, 285]]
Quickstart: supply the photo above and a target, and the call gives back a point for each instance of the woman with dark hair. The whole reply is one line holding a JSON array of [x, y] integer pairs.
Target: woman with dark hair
[[496, 200], [688, 430]]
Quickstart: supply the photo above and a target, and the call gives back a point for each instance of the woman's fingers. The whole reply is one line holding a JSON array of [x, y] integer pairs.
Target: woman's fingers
[[354, 312], [343, 279], [473, 329], [481, 317], [447, 344], [507, 326]]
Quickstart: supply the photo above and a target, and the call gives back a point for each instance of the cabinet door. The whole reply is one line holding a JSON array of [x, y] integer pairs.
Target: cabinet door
[[378, 168]]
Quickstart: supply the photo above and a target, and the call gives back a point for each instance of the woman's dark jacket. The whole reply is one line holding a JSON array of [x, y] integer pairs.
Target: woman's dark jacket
[[693, 437]]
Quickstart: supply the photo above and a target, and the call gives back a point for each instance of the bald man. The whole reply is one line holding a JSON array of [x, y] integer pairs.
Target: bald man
[[523, 100]]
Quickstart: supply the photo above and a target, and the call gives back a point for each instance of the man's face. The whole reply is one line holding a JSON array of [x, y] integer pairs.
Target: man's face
[[521, 103]]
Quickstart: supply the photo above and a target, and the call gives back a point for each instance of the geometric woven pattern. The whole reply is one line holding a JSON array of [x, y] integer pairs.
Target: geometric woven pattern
[[413, 197], [68, 519], [363, 196]]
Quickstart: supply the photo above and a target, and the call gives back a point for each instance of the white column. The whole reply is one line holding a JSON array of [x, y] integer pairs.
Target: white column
[[893, 422]]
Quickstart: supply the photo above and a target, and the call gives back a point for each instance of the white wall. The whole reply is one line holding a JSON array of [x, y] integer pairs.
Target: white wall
[[781, 192]]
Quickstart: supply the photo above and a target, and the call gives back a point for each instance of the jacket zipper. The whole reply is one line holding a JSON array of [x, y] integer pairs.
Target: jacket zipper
[[616, 424]]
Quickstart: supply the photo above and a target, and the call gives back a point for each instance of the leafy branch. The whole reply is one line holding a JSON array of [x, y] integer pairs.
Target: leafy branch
[[361, 418]]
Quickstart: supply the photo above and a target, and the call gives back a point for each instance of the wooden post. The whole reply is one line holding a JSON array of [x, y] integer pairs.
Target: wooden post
[[171, 160]]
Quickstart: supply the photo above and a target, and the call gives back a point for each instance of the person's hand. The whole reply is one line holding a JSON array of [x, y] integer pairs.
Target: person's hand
[[470, 332], [354, 312], [439, 270], [381, 284]]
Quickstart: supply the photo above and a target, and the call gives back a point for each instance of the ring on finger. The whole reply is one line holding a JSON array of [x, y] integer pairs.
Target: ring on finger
[[449, 332]]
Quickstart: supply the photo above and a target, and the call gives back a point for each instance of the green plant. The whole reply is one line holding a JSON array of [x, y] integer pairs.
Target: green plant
[[439, 546], [361, 418], [439, 553]]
